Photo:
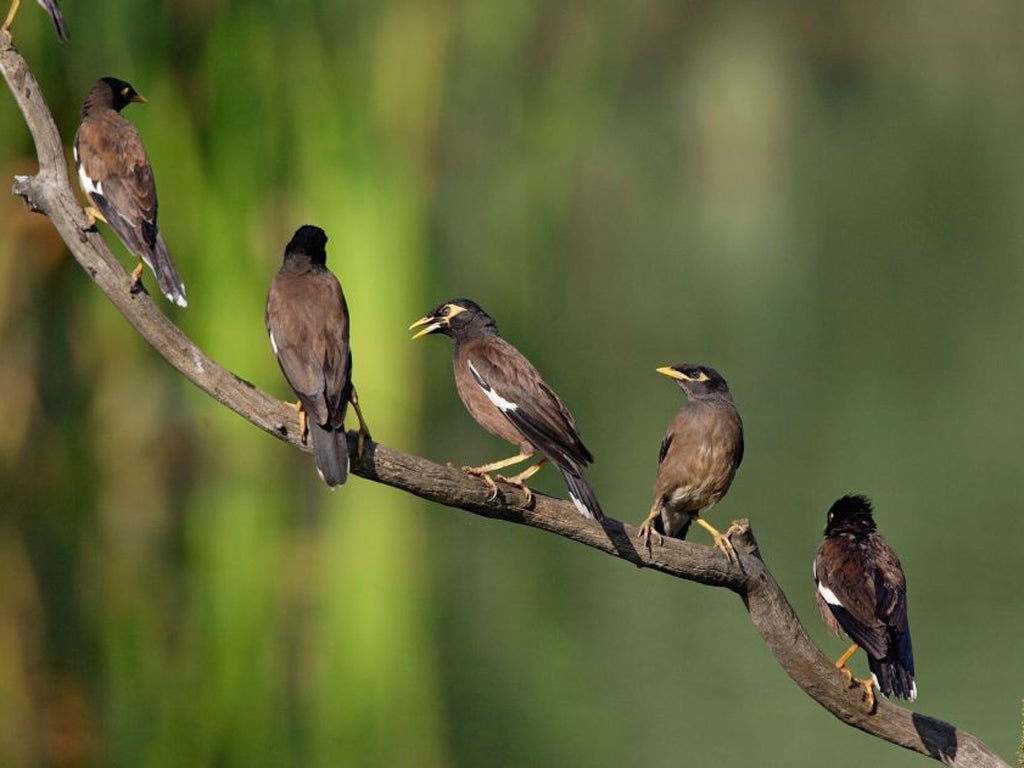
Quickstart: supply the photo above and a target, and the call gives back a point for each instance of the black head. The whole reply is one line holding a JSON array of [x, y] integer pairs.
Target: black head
[[457, 318], [112, 93], [850, 514], [697, 381], [308, 243]]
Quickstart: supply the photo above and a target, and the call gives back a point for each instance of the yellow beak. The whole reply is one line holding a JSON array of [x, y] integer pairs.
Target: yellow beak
[[672, 373], [430, 321], [140, 99]]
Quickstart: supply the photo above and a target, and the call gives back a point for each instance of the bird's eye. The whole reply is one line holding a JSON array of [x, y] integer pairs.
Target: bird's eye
[[445, 311], [126, 92]]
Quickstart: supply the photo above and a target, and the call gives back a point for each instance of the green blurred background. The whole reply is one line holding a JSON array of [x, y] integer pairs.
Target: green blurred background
[[823, 201]]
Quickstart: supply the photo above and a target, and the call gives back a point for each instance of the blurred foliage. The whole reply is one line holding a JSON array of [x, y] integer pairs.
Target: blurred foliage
[[821, 200]]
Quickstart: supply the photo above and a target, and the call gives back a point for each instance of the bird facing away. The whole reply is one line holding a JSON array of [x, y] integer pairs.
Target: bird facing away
[[507, 396], [116, 176], [862, 590], [51, 7], [699, 456], [307, 320]]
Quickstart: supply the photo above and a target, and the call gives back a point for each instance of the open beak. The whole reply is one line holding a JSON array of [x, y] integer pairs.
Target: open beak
[[430, 321], [672, 373]]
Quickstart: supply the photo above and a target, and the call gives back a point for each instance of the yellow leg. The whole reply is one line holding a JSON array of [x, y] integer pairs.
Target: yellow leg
[[646, 527], [364, 431], [841, 661], [520, 480], [484, 469], [721, 539], [10, 16]]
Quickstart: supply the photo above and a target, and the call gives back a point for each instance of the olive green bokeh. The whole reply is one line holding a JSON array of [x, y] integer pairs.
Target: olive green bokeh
[[823, 202]]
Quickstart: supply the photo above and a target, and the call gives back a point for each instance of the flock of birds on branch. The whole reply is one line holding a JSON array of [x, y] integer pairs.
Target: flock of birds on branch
[[861, 588]]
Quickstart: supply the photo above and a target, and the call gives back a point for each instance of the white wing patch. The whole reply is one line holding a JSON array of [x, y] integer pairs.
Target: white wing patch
[[272, 342], [581, 507], [503, 405], [89, 186], [828, 595]]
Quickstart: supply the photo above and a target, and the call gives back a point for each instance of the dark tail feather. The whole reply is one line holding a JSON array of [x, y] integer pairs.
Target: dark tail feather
[[166, 275], [893, 678], [582, 494], [330, 451], [58, 20]]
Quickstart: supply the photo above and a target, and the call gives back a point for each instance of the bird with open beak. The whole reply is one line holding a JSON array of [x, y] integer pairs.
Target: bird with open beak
[[507, 396]]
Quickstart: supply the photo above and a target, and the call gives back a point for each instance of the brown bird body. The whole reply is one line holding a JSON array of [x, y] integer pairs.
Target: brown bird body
[[699, 456], [115, 174], [861, 590], [308, 324], [507, 396]]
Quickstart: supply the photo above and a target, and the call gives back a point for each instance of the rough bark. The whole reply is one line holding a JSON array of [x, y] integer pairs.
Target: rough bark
[[49, 192]]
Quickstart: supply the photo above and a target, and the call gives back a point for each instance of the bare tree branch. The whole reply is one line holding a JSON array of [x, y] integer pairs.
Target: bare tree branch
[[50, 193]]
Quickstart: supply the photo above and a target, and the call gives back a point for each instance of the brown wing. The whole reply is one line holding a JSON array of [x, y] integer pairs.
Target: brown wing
[[848, 586], [512, 383], [116, 175], [307, 320]]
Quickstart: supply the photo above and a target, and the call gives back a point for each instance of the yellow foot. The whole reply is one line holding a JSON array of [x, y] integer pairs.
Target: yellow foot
[[137, 286], [647, 531], [722, 542], [647, 527], [517, 481], [869, 691], [482, 474], [721, 539], [94, 215], [303, 427]]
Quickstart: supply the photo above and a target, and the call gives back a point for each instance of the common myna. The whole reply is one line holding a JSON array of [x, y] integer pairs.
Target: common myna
[[51, 7], [862, 590], [116, 176], [507, 397], [699, 456], [307, 320]]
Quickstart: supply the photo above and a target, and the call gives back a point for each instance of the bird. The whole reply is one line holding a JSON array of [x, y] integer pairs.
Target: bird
[[308, 324], [115, 174], [862, 590], [51, 7], [507, 396], [699, 456]]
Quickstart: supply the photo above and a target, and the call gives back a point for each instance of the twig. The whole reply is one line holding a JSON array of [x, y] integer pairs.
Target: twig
[[50, 193]]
